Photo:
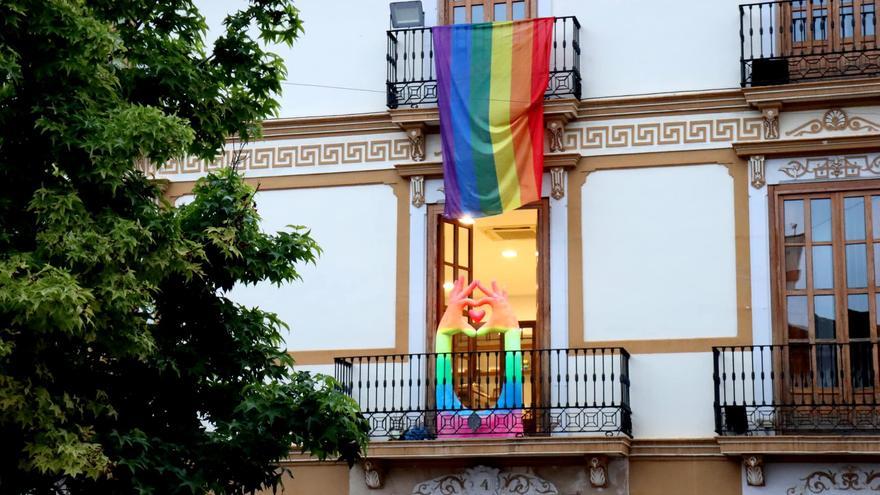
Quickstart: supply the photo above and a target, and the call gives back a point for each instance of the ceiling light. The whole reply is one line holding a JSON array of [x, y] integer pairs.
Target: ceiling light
[[448, 286], [508, 253], [466, 220]]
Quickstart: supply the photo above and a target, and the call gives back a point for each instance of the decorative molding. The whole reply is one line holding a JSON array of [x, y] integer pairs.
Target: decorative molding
[[757, 171], [815, 94], [670, 133], [598, 471], [802, 445], [770, 117], [416, 136], [849, 478], [288, 156], [487, 481], [754, 466], [328, 125], [417, 184], [834, 120], [557, 183], [808, 146], [832, 167], [374, 474], [427, 169], [556, 132], [621, 107]]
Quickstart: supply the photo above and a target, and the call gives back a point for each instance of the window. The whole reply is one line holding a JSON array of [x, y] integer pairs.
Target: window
[[473, 11], [827, 259], [825, 26]]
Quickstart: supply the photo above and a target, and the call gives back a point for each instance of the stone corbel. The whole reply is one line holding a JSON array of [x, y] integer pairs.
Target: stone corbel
[[556, 133], [598, 466], [757, 171], [754, 466], [416, 135], [374, 474], [417, 188], [770, 118], [557, 183]]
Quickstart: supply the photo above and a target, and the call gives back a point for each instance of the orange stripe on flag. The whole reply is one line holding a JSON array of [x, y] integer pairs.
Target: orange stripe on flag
[[520, 106]]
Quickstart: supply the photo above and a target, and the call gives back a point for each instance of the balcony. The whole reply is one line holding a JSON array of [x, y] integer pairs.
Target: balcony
[[558, 392], [797, 389], [412, 78], [799, 40]]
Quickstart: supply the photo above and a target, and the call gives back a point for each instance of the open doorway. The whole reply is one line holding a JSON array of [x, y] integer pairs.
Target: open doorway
[[511, 249]]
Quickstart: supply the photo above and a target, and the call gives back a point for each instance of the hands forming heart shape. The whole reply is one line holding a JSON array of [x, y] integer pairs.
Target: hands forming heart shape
[[454, 320]]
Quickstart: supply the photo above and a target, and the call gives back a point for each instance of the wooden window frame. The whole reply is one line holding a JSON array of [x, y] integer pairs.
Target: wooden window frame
[[446, 13], [836, 191], [834, 41]]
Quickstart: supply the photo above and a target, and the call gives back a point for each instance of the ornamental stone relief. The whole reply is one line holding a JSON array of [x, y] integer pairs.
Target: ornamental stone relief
[[482, 480], [846, 479], [832, 167], [834, 120]]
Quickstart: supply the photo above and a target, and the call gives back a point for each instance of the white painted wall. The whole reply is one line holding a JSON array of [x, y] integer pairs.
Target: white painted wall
[[659, 253], [343, 46], [660, 409], [632, 47], [348, 299], [644, 46], [797, 478]]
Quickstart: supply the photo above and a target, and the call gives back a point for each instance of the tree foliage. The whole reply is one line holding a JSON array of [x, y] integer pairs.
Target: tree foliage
[[124, 366]]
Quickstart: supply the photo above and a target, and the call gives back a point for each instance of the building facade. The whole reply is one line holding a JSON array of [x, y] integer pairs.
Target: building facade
[[697, 290]]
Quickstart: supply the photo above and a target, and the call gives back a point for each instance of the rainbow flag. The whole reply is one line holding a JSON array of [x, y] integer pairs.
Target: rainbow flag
[[491, 79]]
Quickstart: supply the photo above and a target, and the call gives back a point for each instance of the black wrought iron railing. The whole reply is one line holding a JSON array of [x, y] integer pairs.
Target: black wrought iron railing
[[797, 40], [797, 388], [491, 393], [412, 77]]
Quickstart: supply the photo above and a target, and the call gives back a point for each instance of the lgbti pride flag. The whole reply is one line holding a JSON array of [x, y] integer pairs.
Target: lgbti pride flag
[[491, 79]]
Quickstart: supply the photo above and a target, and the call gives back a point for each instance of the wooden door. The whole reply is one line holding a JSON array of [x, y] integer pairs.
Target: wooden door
[[827, 245], [475, 366], [823, 37]]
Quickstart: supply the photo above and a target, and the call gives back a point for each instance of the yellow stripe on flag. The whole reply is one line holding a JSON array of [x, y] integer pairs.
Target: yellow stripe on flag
[[499, 115]]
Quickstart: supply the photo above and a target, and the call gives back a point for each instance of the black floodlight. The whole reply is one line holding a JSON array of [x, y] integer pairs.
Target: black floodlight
[[407, 15]]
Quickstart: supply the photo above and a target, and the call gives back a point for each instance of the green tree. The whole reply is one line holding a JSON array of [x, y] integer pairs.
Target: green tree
[[124, 367]]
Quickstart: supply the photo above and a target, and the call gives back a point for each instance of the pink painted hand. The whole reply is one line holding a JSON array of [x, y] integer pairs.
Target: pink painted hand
[[454, 319], [503, 318]]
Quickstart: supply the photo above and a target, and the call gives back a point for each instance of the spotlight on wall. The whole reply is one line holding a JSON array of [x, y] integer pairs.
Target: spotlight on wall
[[466, 220], [407, 14], [508, 253]]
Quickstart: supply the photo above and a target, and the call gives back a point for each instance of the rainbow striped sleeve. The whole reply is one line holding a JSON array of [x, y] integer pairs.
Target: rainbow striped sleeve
[[491, 79]]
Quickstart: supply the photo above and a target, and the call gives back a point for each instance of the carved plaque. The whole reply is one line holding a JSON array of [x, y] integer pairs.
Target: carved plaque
[[482, 480]]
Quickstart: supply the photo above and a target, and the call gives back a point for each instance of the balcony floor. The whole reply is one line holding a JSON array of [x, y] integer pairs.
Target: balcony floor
[[855, 444], [498, 447]]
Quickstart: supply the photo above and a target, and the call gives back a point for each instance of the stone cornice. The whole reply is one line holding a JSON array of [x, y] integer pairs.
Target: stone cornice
[[816, 94], [807, 147], [800, 445]]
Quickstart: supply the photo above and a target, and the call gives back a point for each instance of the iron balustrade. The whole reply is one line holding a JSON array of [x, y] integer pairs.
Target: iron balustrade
[[797, 40], [797, 388], [562, 391], [412, 76]]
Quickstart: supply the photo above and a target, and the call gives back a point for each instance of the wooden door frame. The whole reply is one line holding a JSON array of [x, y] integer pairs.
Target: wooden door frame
[[542, 313], [444, 9], [834, 41], [776, 195]]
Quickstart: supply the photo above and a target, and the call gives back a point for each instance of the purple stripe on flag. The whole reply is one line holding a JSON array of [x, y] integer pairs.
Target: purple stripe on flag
[[442, 52]]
